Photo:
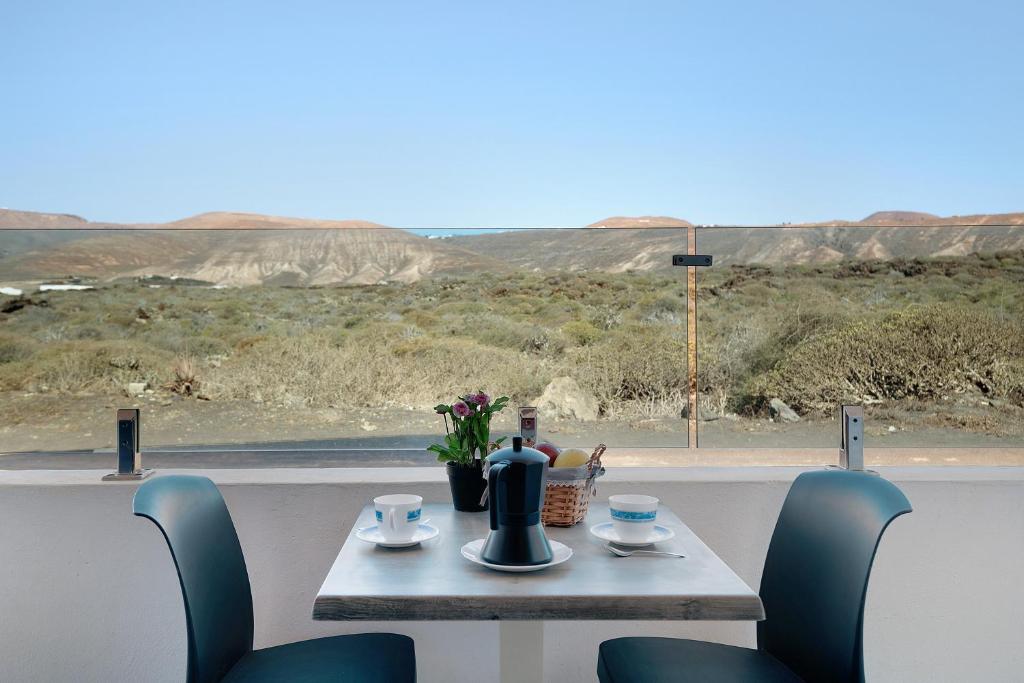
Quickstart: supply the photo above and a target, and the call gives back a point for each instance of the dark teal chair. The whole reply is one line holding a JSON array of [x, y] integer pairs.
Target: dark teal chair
[[218, 603], [813, 587]]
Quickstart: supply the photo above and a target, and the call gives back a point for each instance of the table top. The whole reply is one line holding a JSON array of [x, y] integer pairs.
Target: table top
[[433, 581]]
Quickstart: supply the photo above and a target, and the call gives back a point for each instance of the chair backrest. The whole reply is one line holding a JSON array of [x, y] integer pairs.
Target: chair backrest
[[816, 573], [214, 583]]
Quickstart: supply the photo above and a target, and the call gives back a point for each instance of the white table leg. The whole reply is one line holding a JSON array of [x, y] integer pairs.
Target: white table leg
[[521, 645]]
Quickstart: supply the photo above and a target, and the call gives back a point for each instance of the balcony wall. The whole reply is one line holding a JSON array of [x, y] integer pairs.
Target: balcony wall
[[88, 592]]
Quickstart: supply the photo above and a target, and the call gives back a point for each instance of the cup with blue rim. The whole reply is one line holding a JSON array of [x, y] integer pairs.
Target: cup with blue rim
[[633, 516], [398, 516]]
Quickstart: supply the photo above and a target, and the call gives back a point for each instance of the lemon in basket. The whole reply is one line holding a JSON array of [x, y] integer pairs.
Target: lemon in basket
[[572, 457]]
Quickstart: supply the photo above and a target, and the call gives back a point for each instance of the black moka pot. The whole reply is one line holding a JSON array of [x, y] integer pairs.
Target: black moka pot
[[515, 485]]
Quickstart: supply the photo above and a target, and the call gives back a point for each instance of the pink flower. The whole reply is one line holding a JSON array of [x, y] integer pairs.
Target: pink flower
[[461, 409], [481, 399]]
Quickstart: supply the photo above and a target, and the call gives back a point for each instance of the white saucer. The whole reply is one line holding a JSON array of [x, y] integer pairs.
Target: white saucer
[[606, 532], [559, 554], [371, 534]]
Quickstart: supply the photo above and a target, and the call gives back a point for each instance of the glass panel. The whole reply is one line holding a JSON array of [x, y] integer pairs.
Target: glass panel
[[921, 324], [336, 340]]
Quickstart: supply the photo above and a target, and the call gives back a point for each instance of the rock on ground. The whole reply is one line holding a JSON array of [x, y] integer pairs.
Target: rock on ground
[[781, 411], [564, 398]]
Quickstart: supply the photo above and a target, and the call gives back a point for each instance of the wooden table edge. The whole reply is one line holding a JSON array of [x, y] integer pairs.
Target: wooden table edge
[[538, 608]]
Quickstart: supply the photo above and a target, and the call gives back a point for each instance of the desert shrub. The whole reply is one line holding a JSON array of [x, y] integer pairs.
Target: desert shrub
[[581, 332], [421, 318], [606, 318], [121, 318], [640, 368], [185, 380], [13, 349], [916, 353], [662, 308], [371, 368], [734, 350], [1008, 380], [724, 363], [85, 332], [437, 368], [82, 366], [507, 333]]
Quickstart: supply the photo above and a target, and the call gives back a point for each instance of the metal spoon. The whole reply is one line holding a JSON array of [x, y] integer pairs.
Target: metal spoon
[[627, 553]]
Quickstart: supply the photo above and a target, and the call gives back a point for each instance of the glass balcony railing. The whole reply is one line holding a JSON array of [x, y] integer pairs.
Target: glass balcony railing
[[322, 342], [920, 324]]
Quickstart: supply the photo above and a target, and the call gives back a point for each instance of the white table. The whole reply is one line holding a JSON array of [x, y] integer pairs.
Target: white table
[[433, 581]]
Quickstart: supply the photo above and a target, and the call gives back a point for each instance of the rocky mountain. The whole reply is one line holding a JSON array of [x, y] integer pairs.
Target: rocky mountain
[[240, 249], [634, 244], [882, 235], [48, 229], [321, 257], [557, 249], [233, 249]]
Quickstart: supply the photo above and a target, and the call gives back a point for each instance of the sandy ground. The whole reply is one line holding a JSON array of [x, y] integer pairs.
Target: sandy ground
[[71, 432]]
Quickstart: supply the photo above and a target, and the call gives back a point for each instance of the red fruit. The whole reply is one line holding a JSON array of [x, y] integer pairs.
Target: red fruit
[[550, 450]]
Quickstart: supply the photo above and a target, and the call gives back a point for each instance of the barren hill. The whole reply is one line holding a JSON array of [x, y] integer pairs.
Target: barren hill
[[634, 245], [234, 249], [231, 220], [238, 249], [10, 218], [900, 218], [641, 222], [48, 229]]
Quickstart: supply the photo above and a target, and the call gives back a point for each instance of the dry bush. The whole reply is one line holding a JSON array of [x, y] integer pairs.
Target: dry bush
[[186, 376], [641, 369], [735, 351], [916, 353], [506, 333], [581, 332], [82, 366], [724, 364], [374, 367], [13, 349], [1008, 380]]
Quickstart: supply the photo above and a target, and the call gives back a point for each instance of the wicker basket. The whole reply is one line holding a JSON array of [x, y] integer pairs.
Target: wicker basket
[[568, 491]]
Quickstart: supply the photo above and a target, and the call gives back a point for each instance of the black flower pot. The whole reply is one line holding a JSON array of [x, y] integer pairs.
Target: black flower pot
[[468, 484]]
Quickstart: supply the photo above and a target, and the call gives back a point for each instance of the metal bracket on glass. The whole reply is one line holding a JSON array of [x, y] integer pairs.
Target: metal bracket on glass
[[851, 445], [129, 451], [694, 260]]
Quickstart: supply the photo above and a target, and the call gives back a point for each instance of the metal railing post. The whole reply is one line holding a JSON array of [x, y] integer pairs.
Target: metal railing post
[[851, 444], [129, 447]]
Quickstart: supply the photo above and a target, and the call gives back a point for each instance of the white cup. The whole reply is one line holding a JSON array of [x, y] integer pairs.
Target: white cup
[[398, 515], [633, 516]]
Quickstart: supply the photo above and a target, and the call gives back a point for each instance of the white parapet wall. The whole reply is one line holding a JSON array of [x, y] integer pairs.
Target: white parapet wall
[[88, 592]]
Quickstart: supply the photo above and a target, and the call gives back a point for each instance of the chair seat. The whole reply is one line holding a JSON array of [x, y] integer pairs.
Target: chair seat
[[674, 660], [361, 658]]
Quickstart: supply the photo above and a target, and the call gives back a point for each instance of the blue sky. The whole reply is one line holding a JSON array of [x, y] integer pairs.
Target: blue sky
[[488, 114]]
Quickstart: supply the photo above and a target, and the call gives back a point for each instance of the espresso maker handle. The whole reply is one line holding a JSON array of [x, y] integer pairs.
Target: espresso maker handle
[[494, 480]]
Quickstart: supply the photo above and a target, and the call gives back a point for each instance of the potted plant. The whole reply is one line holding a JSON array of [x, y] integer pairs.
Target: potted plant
[[467, 442]]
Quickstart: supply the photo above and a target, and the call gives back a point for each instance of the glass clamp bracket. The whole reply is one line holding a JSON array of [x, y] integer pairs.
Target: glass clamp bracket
[[699, 260]]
